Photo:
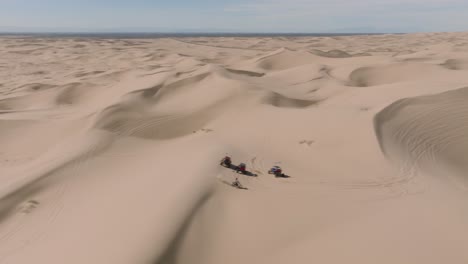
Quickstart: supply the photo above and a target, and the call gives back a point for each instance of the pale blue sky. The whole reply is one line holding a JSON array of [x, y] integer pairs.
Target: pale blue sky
[[231, 15]]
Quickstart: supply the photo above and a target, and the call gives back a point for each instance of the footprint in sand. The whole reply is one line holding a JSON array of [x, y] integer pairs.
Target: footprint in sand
[[28, 207], [203, 130], [307, 142], [364, 109]]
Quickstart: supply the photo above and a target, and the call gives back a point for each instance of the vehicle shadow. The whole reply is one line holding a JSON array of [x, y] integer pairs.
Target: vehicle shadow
[[282, 175], [236, 169], [233, 184]]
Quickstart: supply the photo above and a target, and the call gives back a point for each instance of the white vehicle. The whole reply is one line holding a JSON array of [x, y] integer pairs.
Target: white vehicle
[[277, 171]]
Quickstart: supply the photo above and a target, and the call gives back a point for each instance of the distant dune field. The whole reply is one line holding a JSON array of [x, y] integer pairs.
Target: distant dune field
[[110, 150]]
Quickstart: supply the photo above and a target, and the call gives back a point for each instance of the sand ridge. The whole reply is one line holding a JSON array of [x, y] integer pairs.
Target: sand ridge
[[111, 148]]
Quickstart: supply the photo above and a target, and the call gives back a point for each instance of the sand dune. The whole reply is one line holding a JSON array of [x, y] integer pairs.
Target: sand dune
[[394, 73], [284, 58], [426, 128], [279, 100], [110, 150]]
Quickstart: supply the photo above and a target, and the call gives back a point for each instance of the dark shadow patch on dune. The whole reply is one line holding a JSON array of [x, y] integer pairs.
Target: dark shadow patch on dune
[[331, 53], [179, 74], [247, 73], [420, 60], [386, 115], [210, 61], [79, 46], [362, 54], [81, 40], [37, 86], [151, 92], [404, 52], [148, 92], [153, 67], [359, 77], [40, 72], [172, 252], [153, 56], [187, 81], [135, 121], [25, 45], [313, 90], [84, 74], [279, 100], [69, 94], [311, 80], [454, 64], [21, 52], [8, 104], [131, 44], [154, 73]]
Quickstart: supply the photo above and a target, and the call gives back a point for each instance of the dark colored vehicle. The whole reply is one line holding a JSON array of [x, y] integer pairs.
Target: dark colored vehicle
[[277, 171], [241, 168], [226, 162]]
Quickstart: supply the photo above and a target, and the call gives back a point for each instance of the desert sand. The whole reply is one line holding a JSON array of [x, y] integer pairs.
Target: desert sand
[[110, 150]]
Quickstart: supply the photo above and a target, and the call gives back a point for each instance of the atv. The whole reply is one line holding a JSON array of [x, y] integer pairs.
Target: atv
[[226, 162], [277, 171], [241, 168]]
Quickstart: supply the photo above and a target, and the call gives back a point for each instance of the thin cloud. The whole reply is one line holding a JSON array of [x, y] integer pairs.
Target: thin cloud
[[337, 5], [388, 15]]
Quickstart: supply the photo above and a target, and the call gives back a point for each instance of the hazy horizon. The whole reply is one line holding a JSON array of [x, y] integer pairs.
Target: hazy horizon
[[257, 16], [182, 30], [176, 31]]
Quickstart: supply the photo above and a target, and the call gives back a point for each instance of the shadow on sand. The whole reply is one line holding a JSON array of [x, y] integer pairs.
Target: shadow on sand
[[235, 185], [171, 254], [237, 170]]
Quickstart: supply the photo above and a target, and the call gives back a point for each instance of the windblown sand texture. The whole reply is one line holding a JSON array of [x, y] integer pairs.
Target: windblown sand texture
[[110, 150]]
